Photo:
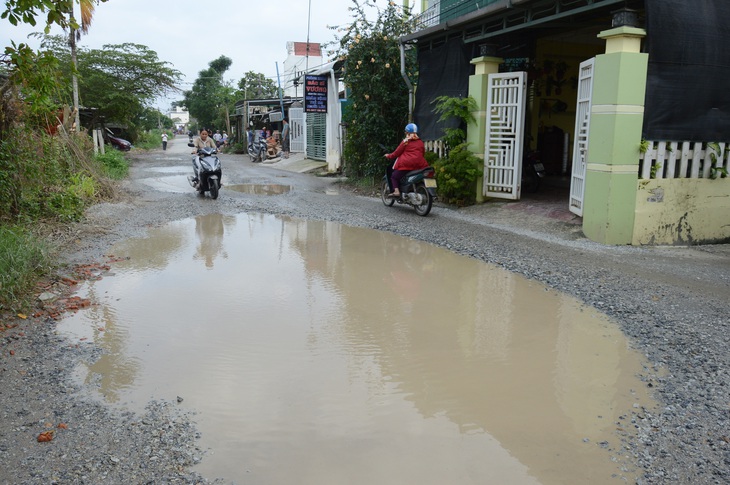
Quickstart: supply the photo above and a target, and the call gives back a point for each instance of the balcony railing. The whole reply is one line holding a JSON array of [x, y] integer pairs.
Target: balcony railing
[[444, 10]]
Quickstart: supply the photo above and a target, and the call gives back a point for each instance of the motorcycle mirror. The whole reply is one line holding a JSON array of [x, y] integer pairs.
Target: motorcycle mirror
[[191, 145]]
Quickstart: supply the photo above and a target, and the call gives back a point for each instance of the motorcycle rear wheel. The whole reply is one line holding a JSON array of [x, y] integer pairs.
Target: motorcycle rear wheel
[[384, 191], [213, 188], [426, 201], [530, 182]]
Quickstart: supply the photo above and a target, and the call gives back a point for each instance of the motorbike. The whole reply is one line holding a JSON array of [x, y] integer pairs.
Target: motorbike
[[417, 188], [207, 168], [532, 172], [257, 149]]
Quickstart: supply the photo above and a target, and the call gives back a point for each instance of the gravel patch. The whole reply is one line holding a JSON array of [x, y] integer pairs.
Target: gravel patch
[[672, 303]]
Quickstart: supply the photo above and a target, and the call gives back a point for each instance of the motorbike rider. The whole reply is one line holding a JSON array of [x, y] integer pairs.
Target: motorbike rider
[[408, 156], [203, 141]]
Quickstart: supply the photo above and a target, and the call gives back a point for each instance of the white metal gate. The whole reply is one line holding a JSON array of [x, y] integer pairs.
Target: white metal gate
[[298, 130], [505, 134], [582, 128]]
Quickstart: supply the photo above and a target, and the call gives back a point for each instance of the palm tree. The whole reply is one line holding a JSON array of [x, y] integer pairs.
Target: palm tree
[[87, 13]]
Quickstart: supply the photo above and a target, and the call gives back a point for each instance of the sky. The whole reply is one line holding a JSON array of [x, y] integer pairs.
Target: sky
[[189, 34]]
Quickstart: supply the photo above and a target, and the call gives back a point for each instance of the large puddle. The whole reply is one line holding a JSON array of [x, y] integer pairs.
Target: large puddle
[[317, 353]]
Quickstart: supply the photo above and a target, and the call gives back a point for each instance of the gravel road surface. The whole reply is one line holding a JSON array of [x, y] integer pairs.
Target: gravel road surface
[[671, 302]]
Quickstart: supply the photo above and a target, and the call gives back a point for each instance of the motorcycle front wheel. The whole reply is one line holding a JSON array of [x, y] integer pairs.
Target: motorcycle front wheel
[[213, 188], [384, 191], [426, 201]]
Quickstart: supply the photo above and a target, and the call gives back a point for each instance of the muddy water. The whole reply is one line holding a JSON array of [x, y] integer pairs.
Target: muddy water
[[261, 189], [319, 353]]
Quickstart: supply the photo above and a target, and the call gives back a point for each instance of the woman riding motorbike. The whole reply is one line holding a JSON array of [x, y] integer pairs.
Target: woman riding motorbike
[[409, 156], [203, 141]]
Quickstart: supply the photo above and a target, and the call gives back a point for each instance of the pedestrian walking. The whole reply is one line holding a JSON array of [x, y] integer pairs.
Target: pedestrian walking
[[164, 141]]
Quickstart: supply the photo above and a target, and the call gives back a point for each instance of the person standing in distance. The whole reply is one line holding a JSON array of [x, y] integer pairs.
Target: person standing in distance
[[164, 141], [285, 138], [408, 156]]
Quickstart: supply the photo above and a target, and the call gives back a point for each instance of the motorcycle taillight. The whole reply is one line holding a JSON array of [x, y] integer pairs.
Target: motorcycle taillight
[[430, 173]]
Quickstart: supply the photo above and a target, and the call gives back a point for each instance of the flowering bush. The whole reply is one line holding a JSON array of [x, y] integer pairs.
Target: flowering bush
[[377, 93]]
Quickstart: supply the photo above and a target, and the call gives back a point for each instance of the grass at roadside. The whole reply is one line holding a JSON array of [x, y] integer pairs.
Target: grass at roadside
[[115, 164], [149, 140], [24, 259]]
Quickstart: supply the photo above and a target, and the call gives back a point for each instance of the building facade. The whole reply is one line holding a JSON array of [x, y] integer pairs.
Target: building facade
[[621, 98]]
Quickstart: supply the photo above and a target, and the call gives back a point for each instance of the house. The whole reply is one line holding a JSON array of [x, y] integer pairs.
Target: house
[[301, 56], [180, 117], [323, 87], [625, 99], [315, 118]]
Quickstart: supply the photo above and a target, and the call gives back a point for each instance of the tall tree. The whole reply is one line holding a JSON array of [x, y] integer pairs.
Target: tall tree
[[379, 109], [210, 95], [118, 80], [87, 14], [254, 85]]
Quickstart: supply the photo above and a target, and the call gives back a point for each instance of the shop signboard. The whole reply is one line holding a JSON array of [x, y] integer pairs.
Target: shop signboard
[[315, 94]]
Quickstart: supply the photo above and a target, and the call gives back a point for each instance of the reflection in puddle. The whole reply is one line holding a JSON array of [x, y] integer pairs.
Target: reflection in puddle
[[260, 189], [320, 353]]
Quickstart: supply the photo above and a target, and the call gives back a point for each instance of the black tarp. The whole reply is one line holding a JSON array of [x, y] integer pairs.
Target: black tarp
[[442, 71], [687, 95]]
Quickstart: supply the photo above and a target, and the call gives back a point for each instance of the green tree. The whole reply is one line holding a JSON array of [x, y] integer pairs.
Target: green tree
[[120, 81], [254, 85], [32, 71], [33, 77], [152, 118], [379, 96], [210, 96], [57, 12], [123, 79]]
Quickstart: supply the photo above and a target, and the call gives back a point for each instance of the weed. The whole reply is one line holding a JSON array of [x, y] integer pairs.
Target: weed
[[23, 260], [114, 163]]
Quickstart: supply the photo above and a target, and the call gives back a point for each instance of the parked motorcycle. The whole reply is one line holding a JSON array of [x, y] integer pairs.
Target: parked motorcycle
[[417, 188], [257, 149], [207, 168], [532, 172]]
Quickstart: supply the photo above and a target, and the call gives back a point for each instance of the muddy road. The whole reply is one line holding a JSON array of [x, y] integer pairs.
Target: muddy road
[[671, 303]]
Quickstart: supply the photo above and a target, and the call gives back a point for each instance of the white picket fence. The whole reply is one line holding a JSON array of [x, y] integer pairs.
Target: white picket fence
[[437, 146], [672, 159]]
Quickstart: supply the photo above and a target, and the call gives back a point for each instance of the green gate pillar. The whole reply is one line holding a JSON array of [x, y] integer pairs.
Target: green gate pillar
[[478, 85], [617, 114]]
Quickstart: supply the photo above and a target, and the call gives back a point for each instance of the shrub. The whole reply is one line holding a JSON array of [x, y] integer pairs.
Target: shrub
[[44, 176], [461, 109], [457, 175], [458, 172], [149, 140]]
